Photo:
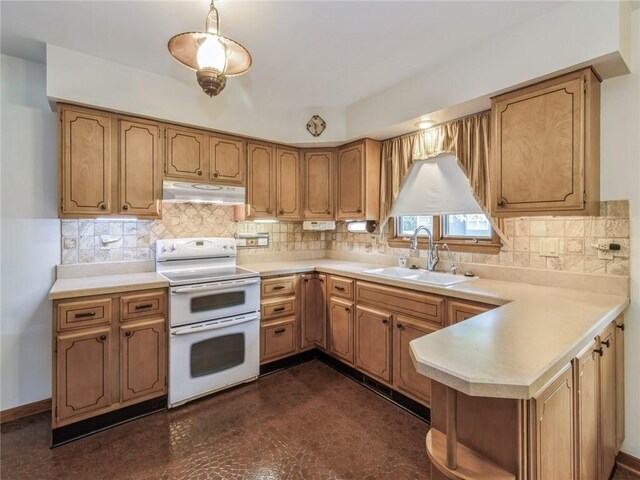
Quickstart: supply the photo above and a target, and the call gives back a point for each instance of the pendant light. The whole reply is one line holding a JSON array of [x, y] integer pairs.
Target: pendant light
[[212, 56]]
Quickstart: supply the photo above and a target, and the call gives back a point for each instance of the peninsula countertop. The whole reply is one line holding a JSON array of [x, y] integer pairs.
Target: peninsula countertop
[[509, 352]]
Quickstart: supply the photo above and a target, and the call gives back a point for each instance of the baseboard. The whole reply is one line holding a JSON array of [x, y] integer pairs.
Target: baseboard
[[27, 410], [628, 462]]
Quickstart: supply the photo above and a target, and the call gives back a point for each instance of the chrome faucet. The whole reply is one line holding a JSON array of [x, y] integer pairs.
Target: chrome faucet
[[432, 258]]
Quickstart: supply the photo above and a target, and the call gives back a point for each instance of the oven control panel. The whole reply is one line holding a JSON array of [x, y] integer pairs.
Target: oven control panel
[[203, 247]]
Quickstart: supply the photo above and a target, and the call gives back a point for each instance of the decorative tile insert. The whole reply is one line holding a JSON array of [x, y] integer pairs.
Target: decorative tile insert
[[107, 240]]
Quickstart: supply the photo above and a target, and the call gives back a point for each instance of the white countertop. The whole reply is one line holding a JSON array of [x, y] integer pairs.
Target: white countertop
[[509, 352], [106, 284]]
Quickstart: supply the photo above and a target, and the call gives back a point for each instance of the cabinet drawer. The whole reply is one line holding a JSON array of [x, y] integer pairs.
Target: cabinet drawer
[[284, 307], [341, 287], [142, 305], [84, 313], [459, 310], [278, 287], [419, 305], [277, 339]]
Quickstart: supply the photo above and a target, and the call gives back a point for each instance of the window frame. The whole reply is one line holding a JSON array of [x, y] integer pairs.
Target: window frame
[[457, 244]]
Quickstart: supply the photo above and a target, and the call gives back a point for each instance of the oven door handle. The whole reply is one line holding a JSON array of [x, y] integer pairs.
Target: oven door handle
[[215, 326], [215, 287]]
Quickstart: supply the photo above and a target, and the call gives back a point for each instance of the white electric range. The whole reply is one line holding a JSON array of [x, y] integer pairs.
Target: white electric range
[[214, 316]]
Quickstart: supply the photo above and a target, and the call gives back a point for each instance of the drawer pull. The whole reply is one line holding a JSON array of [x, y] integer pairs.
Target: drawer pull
[[339, 288], [85, 314], [278, 287], [621, 327], [146, 305], [280, 330], [606, 342], [279, 309]]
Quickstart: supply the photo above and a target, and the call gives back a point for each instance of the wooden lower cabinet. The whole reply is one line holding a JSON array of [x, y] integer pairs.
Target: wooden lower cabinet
[[553, 426], [341, 329], [313, 311], [460, 310], [83, 373], [101, 368], [373, 342], [278, 339], [406, 378], [587, 385], [143, 359], [619, 343], [607, 364]]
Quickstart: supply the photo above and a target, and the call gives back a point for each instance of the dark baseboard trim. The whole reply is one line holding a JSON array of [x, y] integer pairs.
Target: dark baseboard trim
[[628, 462], [83, 428], [16, 413], [404, 402]]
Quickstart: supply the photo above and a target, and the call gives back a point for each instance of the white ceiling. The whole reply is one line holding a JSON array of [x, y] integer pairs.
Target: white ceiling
[[306, 53]]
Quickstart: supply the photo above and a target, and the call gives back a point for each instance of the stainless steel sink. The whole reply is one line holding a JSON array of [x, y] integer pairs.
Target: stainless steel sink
[[439, 279]]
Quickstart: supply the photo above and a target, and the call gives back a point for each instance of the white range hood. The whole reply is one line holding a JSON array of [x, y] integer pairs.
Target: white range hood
[[436, 186], [188, 192]]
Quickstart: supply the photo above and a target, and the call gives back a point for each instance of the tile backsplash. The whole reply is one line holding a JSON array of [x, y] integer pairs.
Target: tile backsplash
[[83, 241], [107, 240]]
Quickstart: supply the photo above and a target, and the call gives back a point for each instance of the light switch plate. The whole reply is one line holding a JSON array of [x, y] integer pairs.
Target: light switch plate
[[549, 247]]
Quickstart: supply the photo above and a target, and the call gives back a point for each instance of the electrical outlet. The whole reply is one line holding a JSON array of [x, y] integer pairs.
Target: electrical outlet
[[605, 254]]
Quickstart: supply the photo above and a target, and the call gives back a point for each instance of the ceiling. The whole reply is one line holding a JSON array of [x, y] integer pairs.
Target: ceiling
[[306, 53]]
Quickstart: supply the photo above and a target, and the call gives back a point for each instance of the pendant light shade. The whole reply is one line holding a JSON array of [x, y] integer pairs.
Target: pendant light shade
[[212, 56]]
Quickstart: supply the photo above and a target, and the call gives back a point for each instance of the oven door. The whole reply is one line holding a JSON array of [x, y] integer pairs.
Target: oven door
[[209, 301], [211, 356]]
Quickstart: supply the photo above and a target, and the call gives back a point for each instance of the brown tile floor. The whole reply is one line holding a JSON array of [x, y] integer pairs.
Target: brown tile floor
[[308, 422]]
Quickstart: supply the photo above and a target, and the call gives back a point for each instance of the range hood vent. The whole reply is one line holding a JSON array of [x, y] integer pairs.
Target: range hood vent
[[436, 186], [187, 192]]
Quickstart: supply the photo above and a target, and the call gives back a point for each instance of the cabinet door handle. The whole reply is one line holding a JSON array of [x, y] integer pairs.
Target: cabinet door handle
[[215, 174], [328, 212], [85, 314], [400, 326], [385, 321], [103, 206], [199, 172], [347, 309], [279, 287], [146, 305], [269, 210], [281, 211], [125, 207], [621, 327], [279, 309], [102, 338], [501, 203], [339, 288], [606, 342], [359, 210], [280, 330], [128, 334], [599, 351]]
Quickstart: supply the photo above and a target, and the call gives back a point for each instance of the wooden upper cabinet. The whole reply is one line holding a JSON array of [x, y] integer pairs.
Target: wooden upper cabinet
[[227, 160], [85, 162], [318, 172], [373, 342], [139, 164], [186, 154], [546, 148], [288, 195], [358, 181], [143, 359], [261, 191]]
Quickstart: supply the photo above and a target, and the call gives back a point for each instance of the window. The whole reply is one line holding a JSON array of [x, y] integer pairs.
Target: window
[[462, 232]]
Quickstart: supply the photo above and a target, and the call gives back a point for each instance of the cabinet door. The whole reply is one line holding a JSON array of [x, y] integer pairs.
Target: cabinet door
[[351, 188], [85, 141], [318, 175], [619, 344], [288, 197], [83, 372], [540, 141], [460, 310], [186, 154], [406, 378], [261, 190], [314, 311], [139, 162], [227, 160], [553, 426], [341, 329], [608, 400], [587, 412], [373, 342], [143, 359]]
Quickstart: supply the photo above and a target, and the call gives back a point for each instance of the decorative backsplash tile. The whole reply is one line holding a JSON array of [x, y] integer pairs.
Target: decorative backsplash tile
[[89, 241], [107, 240]]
